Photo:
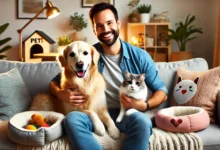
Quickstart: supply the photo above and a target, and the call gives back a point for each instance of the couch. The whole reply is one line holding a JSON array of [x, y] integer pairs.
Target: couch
[[37, 76]]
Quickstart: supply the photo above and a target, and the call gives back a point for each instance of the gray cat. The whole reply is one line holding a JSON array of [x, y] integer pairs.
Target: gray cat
[[133, 86]]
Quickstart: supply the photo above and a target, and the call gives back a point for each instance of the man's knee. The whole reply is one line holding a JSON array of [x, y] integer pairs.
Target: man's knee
[[74, 118], [141, 120]]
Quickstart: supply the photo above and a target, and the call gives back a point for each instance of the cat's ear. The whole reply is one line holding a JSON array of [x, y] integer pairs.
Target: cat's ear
[[142, 76], [196, 80], [179, 79], [127, 74]]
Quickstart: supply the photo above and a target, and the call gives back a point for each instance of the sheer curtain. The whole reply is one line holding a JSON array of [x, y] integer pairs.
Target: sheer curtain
[[216, 60]]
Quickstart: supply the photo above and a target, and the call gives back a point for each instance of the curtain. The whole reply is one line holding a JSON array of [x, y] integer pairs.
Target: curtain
[[216, 59]]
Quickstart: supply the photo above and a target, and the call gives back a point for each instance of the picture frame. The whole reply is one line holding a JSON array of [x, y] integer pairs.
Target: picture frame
[[27, 9], [90, 3]]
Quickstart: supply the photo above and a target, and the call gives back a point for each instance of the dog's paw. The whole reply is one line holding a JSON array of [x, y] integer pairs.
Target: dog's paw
[[99, 128], [114, 132], [130, 111]]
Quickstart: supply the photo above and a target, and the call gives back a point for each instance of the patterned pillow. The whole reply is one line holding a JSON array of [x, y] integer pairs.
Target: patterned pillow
[[14, 96], [197, 88]]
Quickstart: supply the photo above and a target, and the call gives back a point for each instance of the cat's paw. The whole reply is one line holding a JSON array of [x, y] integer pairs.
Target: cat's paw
[[131, 111], [99, 128], [114, 132]]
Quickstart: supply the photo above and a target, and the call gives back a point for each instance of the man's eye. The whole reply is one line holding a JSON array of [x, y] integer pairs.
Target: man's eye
[[72, 54], [85, 53]]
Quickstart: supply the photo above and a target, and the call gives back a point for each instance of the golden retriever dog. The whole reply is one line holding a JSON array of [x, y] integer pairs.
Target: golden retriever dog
[[79, 62]]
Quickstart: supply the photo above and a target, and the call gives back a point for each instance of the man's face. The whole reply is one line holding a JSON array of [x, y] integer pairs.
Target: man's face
[[105, 27]]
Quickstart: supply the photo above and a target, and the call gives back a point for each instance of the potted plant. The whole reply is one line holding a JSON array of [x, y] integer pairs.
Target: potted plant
[[62, 41], [79, 23], [5, 48], [144, 11], [182, 35], [133, 16]]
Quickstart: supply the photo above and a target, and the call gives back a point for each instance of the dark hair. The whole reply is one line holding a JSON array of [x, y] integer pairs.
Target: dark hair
[[100, 7]]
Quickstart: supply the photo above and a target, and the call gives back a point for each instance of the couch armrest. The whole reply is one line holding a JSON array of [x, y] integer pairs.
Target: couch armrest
[[218, 108]]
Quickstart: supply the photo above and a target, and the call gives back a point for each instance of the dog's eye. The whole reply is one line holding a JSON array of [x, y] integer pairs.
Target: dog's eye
[[85, 53], [72, 54]]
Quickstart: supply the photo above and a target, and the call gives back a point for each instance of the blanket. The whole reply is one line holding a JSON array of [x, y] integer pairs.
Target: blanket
[[159, 140]]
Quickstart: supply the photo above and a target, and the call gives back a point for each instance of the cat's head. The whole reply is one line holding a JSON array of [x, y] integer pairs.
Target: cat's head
[[134, 82], [185, 90]]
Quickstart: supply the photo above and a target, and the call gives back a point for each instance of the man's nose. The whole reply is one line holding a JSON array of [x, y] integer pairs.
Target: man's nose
[[106, 28]]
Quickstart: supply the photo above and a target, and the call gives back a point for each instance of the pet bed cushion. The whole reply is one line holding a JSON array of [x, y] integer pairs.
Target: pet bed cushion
[[182, 119], [41, 136]]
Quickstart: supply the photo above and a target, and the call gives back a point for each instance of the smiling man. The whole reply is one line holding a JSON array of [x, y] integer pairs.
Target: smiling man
[[116, 56]]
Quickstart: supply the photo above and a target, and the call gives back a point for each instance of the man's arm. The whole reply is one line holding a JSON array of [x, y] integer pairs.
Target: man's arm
[[68, 95], [157, 98]]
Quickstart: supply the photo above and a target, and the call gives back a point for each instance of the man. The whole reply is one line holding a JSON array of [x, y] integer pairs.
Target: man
[[116, 56]]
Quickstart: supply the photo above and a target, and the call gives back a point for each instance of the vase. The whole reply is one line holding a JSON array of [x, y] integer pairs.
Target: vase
[[79, 36], [177, 56], [145, 17], [59, 48]]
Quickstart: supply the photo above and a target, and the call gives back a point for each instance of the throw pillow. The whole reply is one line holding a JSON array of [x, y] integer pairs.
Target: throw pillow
[[197, 88], [14, 96]]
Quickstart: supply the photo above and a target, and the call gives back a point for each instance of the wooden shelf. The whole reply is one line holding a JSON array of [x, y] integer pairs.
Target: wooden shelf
[[153, 30]]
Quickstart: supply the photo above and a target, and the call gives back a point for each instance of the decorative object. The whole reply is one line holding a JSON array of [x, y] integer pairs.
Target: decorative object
[[79, 23], [162, 17], [134, 15], [27, 9], [3, 41], [37, 42], [182, 35], [62, 41], [182, 119], [144, 11], [207, 90], [90, 3], [50, 13]]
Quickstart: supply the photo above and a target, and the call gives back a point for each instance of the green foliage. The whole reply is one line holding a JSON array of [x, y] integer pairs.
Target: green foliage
[[78, 22], [183, 32], [133, 3], [64, 40], [144, 8], [3, 41]]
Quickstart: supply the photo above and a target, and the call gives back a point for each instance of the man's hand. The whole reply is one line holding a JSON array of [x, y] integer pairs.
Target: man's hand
[[71, 96], [129, 102]]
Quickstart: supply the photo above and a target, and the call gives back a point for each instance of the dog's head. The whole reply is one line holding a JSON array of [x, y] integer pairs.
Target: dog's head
[[78, 57]]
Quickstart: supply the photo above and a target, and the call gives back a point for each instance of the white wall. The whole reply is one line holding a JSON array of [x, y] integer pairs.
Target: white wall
[[204, 10]]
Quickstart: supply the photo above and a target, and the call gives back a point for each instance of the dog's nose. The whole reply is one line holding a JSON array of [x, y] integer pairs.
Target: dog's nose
[[79, 65]]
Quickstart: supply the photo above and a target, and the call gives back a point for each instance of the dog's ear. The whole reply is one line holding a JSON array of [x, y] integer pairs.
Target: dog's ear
[[95, 55], [62, 57]]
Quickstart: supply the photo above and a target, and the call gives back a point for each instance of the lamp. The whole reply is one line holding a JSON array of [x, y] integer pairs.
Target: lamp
[[51, 13]]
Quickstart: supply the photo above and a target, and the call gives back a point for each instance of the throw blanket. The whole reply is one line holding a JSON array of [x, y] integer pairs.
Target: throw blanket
[[160, 140]]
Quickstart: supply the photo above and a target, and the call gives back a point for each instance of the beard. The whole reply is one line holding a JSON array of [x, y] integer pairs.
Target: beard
[[110, 42]]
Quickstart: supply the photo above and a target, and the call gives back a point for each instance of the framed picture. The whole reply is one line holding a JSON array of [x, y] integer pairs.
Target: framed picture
[[27, 9], [90, 3]]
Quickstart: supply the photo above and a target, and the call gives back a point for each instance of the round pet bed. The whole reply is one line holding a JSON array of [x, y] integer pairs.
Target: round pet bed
[[182, 119], [41, 136]]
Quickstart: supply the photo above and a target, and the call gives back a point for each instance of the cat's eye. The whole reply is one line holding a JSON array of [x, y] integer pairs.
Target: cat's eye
[[180, 86], [190, 87], [85, 53], [72, 54], [137, 83], [129, 82]]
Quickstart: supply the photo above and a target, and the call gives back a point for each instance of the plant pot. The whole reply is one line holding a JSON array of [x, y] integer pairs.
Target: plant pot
[[59, 48], [145, 17], [79, 36], [178, 56]]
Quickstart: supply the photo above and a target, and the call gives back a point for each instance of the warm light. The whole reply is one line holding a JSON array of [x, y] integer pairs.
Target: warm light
[[134, 40], [51, 10]]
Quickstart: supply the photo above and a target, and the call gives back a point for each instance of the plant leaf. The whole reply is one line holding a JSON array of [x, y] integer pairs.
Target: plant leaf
[[4, 41], [3, 27], [5, 49]]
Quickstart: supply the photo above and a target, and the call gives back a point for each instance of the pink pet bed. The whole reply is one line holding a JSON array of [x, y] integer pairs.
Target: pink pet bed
[[182, 119]]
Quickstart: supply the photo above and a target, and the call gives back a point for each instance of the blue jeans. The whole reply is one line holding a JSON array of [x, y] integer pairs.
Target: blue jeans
[[137, 126]]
